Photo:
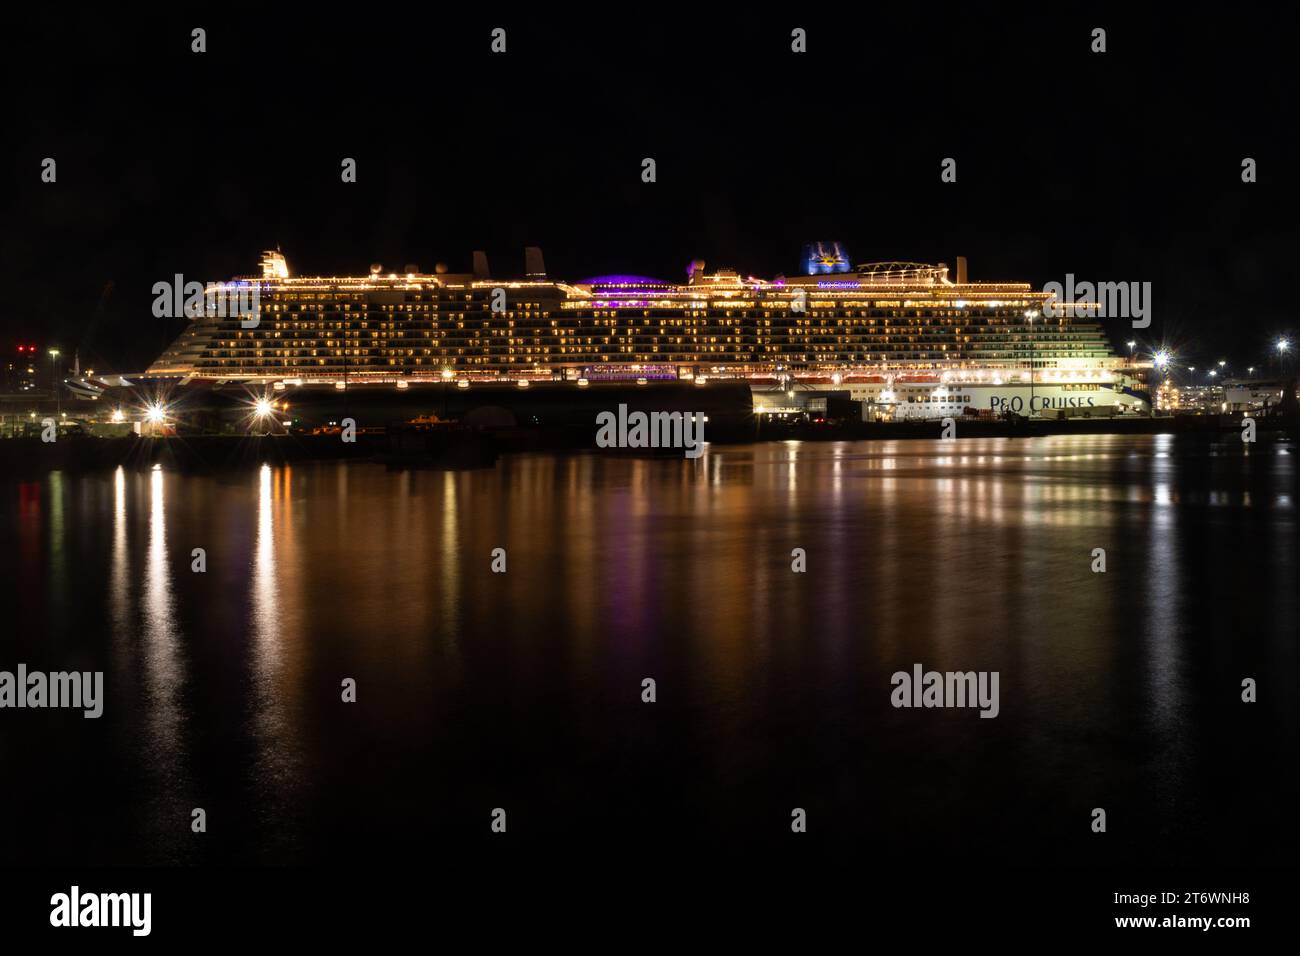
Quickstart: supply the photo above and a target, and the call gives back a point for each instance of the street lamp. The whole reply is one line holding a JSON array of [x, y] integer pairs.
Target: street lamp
[[1161, 360], [58, 401], [263, 409]]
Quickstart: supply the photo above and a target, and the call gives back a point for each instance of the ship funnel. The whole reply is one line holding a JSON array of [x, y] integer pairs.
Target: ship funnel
[[534, 265], [480, 264], [961, 270], [274, 265]]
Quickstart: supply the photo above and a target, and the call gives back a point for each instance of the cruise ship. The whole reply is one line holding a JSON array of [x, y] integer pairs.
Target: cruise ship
[[906, 339]]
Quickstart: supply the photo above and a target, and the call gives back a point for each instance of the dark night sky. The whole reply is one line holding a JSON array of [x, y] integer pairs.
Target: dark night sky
[[1123, 166]]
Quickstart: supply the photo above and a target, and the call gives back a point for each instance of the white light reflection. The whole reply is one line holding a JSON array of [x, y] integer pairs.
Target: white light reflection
[[164, 673], [1163, 627], [273, 700], [119, 582]]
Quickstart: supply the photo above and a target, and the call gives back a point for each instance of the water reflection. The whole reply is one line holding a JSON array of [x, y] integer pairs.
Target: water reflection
[[265, 613], [967, 555], [58, 562], [449, 562], [164, 676], [1164, 634], [273, 587], [119, 587]]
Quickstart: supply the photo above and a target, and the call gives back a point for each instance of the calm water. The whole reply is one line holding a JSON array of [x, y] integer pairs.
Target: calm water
[[522, 690]]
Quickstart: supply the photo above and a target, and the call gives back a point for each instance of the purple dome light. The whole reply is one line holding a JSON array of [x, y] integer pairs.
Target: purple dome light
[[623, 281]]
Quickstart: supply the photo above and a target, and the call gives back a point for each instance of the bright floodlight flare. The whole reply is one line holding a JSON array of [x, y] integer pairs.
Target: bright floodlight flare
[[1162, 358], [1283, 345], [155, 413], [262, 407]]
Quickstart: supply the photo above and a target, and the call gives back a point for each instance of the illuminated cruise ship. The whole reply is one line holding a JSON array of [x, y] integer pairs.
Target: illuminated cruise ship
[[908, 339]]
